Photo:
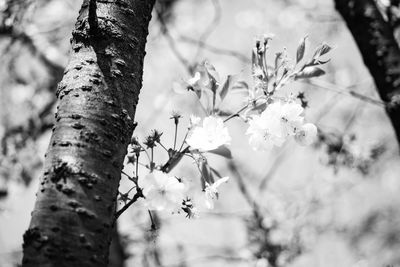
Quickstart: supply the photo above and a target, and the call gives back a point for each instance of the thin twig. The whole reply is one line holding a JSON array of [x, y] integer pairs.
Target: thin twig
[[236, 113], [243, 189], [153, 225], [138, 195]]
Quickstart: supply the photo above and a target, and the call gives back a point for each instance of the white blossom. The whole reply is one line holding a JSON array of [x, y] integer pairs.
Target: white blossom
[[212, 134], [211, 192], [162, 192], [307, 134], [265, 131], [258, 72], [277, 123], [194, 80], [289, 115], [193, 121]]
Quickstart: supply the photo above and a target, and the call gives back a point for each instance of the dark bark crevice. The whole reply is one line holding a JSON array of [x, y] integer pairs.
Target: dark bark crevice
[[381, 54], [72, 221]]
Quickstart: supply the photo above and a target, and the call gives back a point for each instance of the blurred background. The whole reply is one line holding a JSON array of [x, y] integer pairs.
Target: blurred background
[[331, 204]]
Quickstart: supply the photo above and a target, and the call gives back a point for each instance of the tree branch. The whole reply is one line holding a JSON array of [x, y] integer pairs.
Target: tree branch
[[379, 49]]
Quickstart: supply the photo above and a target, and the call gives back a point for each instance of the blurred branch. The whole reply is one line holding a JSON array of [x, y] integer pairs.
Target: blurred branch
[[213, 49], [267, 249], [200, 43], [228, 215], [171, 42], [26, 39], [347, 127], [344, 91], [213, 25], [35, 126], [41, 121], [153, 251], [326, 108], [277, 162], [244, 190], [166, 9]]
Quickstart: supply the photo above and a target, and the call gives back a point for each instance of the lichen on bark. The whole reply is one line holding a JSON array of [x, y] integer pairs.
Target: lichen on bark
[[72, 219]]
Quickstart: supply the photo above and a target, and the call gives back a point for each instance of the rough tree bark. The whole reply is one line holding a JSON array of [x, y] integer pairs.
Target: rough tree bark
[[380, 51], [117, 254], [72, 221]]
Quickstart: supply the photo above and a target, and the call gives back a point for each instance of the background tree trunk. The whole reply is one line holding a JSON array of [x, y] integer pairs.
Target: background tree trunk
[[72, 221], [379, 49]]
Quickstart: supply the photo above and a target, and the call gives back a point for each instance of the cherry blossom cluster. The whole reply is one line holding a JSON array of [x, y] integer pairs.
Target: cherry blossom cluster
[[279, 121], [272, 118]]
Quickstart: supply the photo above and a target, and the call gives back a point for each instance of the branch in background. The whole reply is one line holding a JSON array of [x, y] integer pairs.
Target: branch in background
[[171, 42], [201, 43], [166, 8], [345, 91], [213, 49], [256, 227], [243, 189], [277, 162], [153, 253], [35, 126], [10, 28], [42, 120], [213, 25], [380, 51]]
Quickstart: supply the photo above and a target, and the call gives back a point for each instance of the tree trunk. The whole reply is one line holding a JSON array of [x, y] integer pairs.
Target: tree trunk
[[117, 254], [72, 221], [379, 49]]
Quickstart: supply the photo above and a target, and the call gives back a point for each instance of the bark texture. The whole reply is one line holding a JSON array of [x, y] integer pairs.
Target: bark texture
[[117, 255], [380, 51], [72, 222]]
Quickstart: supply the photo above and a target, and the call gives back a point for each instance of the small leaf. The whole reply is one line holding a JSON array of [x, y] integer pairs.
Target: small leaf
[[211, 71], [254, 57], [206, 173], [198, 92], [322, 49], [301, 49], [223, 151], [216, 172], [228, 84], [203, 182], [325, 49], [223, 113], [321, 62], [259, 107], [241, 85], [278, 60], [310, 72]]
